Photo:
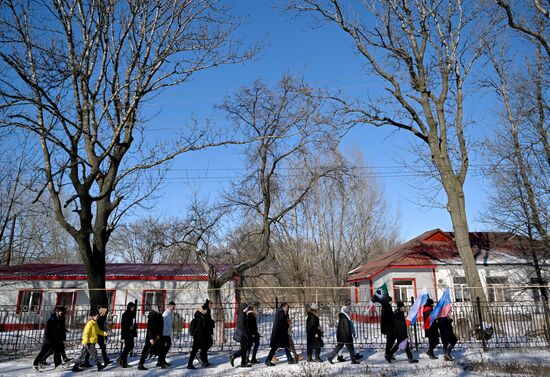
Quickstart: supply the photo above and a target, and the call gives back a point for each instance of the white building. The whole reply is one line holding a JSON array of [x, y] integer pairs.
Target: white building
[[431, 260], [30, 288]]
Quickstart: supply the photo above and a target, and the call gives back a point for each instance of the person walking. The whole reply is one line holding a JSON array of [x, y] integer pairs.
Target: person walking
[[102, 324], [89, 340], [386, 326], [401, 334], [199, 332], [279, 335], [168, 321], [242, 335], [53, 339], [448, 337], [128, 332], [210, 324], [153, 340], [344, 335], [62, 333], [314, 334], [432, 333], [254, 341]]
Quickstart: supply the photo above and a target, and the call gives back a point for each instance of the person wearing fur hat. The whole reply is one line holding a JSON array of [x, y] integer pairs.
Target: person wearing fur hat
[[432, 333], [314, 334], [344, 335]]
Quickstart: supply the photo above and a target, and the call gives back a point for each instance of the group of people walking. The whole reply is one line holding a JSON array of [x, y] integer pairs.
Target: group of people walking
[[159, 331]]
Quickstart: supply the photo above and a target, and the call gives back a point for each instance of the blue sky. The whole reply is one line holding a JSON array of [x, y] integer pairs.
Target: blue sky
[[325, 58]]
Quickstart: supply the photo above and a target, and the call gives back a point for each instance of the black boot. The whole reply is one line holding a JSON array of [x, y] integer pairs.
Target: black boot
[[100, 367], [308, 358], [76, 368], [318, 355]]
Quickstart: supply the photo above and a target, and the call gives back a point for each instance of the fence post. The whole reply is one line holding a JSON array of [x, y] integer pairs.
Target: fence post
[[483, 342]]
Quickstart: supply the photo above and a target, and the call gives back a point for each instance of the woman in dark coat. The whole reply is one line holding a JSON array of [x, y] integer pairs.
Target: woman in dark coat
[[155, 327], [432, 333], [314, 334], [344, 335], [254, 341], [448, 337], [242, 335], [279, 335], [400, 331]]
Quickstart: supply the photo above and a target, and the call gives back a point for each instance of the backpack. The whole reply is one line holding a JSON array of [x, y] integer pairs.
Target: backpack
[[193, 327]]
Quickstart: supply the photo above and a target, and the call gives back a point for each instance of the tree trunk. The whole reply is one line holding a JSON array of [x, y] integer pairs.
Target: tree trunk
[[94, 264], [457, 209], [214, 294]]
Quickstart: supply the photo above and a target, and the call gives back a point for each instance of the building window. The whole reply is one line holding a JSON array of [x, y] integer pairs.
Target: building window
[[65, 299], [497, 289], [29, 301], [460, 285], [153, 300], [111, 297], [403, 290]]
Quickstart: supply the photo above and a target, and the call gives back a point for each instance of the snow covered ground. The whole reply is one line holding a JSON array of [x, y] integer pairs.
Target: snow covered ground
[[471, 363]]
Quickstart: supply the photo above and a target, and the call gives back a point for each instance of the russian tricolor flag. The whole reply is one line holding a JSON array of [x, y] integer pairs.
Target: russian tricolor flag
[[420, 300], [442, 309]]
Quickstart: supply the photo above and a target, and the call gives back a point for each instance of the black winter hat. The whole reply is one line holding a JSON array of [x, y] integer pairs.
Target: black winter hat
[[429, 302], [205, 306], [400, 304]]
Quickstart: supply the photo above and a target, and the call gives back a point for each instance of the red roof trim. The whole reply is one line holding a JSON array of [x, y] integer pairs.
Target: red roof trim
[[415, 267], [108, 278]]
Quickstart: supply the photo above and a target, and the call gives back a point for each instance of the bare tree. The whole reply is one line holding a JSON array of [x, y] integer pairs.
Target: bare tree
[[76, 75], [344, 222], [519, 156], [530, 18], [423, 51]]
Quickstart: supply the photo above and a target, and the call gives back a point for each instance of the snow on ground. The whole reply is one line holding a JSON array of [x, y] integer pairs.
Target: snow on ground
[[468, 363]]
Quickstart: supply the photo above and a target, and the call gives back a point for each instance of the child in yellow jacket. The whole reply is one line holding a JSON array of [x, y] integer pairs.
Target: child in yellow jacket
[[89, 340]]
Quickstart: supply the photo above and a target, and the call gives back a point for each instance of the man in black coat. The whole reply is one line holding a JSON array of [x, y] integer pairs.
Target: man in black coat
[[210, 324], [386, 326], [199, 331], [314, 334], [448, 337], [432, 333], [155, 326], [344, 335], [128, 332], [279, 336], [53, 339], [401, 334]]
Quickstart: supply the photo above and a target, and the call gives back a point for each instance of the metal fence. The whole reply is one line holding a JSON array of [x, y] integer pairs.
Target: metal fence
[[513, 324]]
